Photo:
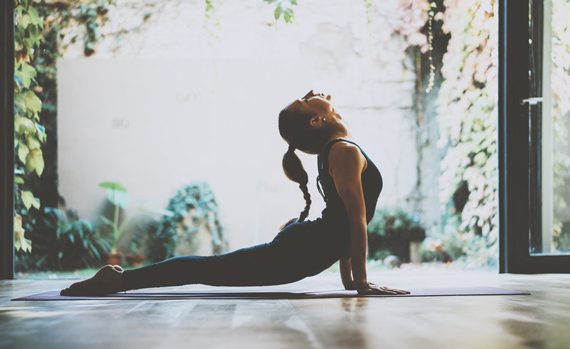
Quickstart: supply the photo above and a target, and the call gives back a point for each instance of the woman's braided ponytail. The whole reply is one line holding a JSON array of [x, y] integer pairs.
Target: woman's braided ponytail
[[294, 170]]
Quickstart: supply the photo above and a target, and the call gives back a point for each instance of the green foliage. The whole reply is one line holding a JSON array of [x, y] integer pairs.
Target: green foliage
[[197, 202], [379, 254], [21, 243], [390, 232], [468, 249], [35, 95], [118, 195], [63, 241], [451, 245], [29, 133], [467, 115], [393, 220], [283, 9], [35, 86], [91, 13]]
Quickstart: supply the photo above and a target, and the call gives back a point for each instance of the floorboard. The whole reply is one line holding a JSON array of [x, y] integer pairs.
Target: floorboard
[[541, 320]]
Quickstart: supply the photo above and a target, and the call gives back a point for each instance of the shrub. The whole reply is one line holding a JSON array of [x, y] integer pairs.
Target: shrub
[[391, 230], [63, 241], [196, 201]]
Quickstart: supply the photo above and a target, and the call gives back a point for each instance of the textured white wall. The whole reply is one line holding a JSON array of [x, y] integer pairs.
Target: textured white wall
[[184, 100]]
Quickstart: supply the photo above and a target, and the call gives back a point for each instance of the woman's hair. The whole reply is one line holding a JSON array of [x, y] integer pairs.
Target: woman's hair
[[295, 129]]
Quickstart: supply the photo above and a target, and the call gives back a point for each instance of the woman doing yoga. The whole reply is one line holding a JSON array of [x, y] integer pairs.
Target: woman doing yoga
[[350, 184]]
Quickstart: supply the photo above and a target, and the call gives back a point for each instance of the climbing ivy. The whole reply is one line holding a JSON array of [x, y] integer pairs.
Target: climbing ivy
[[29, 133], [283, 9], [40, 27], [467, 109], [45, 27]]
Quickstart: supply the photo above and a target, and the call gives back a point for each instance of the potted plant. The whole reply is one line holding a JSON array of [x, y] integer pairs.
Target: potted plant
[[118, 196], [124, 234], [397, 231], [192, 221]]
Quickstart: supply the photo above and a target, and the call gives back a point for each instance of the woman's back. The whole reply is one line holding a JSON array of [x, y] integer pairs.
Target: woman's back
[[335, 212]]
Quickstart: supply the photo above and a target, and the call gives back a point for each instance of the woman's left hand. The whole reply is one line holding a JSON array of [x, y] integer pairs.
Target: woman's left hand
[[372, 289]]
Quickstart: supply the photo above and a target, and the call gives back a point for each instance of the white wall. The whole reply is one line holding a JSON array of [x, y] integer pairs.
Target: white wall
[[184, 99]]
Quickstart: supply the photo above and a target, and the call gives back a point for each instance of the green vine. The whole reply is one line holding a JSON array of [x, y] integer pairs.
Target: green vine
[[29, 133], [283, 9], [467, 109], [49, 28], [42, 27]]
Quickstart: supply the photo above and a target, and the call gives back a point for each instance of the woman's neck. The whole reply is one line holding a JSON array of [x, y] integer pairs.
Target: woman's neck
[[336, 135]]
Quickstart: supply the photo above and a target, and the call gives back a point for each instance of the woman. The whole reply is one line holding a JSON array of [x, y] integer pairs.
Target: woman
[[351, 184]]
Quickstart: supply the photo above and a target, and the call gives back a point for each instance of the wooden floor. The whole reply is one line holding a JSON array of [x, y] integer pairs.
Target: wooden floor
[[541, 320]]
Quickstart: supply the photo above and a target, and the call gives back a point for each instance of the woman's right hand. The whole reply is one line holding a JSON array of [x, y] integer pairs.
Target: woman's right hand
[[370, 288], [349, 285]]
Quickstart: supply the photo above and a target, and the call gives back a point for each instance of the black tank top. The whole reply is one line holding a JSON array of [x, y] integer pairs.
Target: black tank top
[[334, 211]]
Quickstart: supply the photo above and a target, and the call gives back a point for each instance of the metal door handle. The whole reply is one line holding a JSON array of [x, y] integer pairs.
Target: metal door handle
[[531, 101]]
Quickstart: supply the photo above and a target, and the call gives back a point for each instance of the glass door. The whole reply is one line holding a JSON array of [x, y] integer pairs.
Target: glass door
[[534, 125], [548, 108]]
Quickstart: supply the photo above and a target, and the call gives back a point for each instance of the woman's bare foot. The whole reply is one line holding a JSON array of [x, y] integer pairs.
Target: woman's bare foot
[[108, 279]]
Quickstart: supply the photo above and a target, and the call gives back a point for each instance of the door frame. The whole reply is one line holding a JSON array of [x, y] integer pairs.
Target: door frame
[[515, 151], [7, 139]]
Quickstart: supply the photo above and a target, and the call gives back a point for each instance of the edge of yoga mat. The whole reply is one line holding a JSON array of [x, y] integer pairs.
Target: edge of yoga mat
[[224, 293]]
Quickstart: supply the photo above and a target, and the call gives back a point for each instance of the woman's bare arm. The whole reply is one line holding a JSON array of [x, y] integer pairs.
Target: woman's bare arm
[[347, 164], [346, 167], [346, 273]]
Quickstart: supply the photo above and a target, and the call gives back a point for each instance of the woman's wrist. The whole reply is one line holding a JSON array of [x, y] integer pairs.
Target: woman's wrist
[[361, 284]]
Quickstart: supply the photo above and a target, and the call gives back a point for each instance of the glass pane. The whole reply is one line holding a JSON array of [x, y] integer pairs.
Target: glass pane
[[550, 122]]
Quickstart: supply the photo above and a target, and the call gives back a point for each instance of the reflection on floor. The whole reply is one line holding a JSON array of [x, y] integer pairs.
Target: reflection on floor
[[541, 320]]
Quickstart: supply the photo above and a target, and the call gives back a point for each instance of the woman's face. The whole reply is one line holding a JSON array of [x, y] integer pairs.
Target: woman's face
[[319, 105]]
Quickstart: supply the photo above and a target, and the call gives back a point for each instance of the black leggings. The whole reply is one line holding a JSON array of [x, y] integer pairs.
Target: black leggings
[[293, 255]]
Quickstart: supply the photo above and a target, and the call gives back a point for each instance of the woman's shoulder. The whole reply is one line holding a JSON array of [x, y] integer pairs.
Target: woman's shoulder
[[343, 154], [344, 145]]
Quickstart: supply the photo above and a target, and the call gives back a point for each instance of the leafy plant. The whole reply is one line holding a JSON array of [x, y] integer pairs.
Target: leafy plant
[[63, 241], [29, 133], [119, 197], [197, 202], [35, 96], [450, 245], [79, 243], [283, 9], [387, 221], [50, 27], [391, 230]]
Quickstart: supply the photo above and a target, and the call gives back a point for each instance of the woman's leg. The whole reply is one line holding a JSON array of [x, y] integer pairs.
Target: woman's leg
[[291, 256], [264, 264]]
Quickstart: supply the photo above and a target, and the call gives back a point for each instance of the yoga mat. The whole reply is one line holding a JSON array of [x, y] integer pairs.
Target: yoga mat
[[258, 293]]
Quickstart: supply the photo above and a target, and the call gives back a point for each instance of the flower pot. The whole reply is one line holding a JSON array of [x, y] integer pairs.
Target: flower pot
[[115, 258], [415, 255], [402, 243], [135, 260]]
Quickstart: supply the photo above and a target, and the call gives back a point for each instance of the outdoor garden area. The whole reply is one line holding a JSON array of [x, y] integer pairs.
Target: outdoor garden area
[[148, 129]]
